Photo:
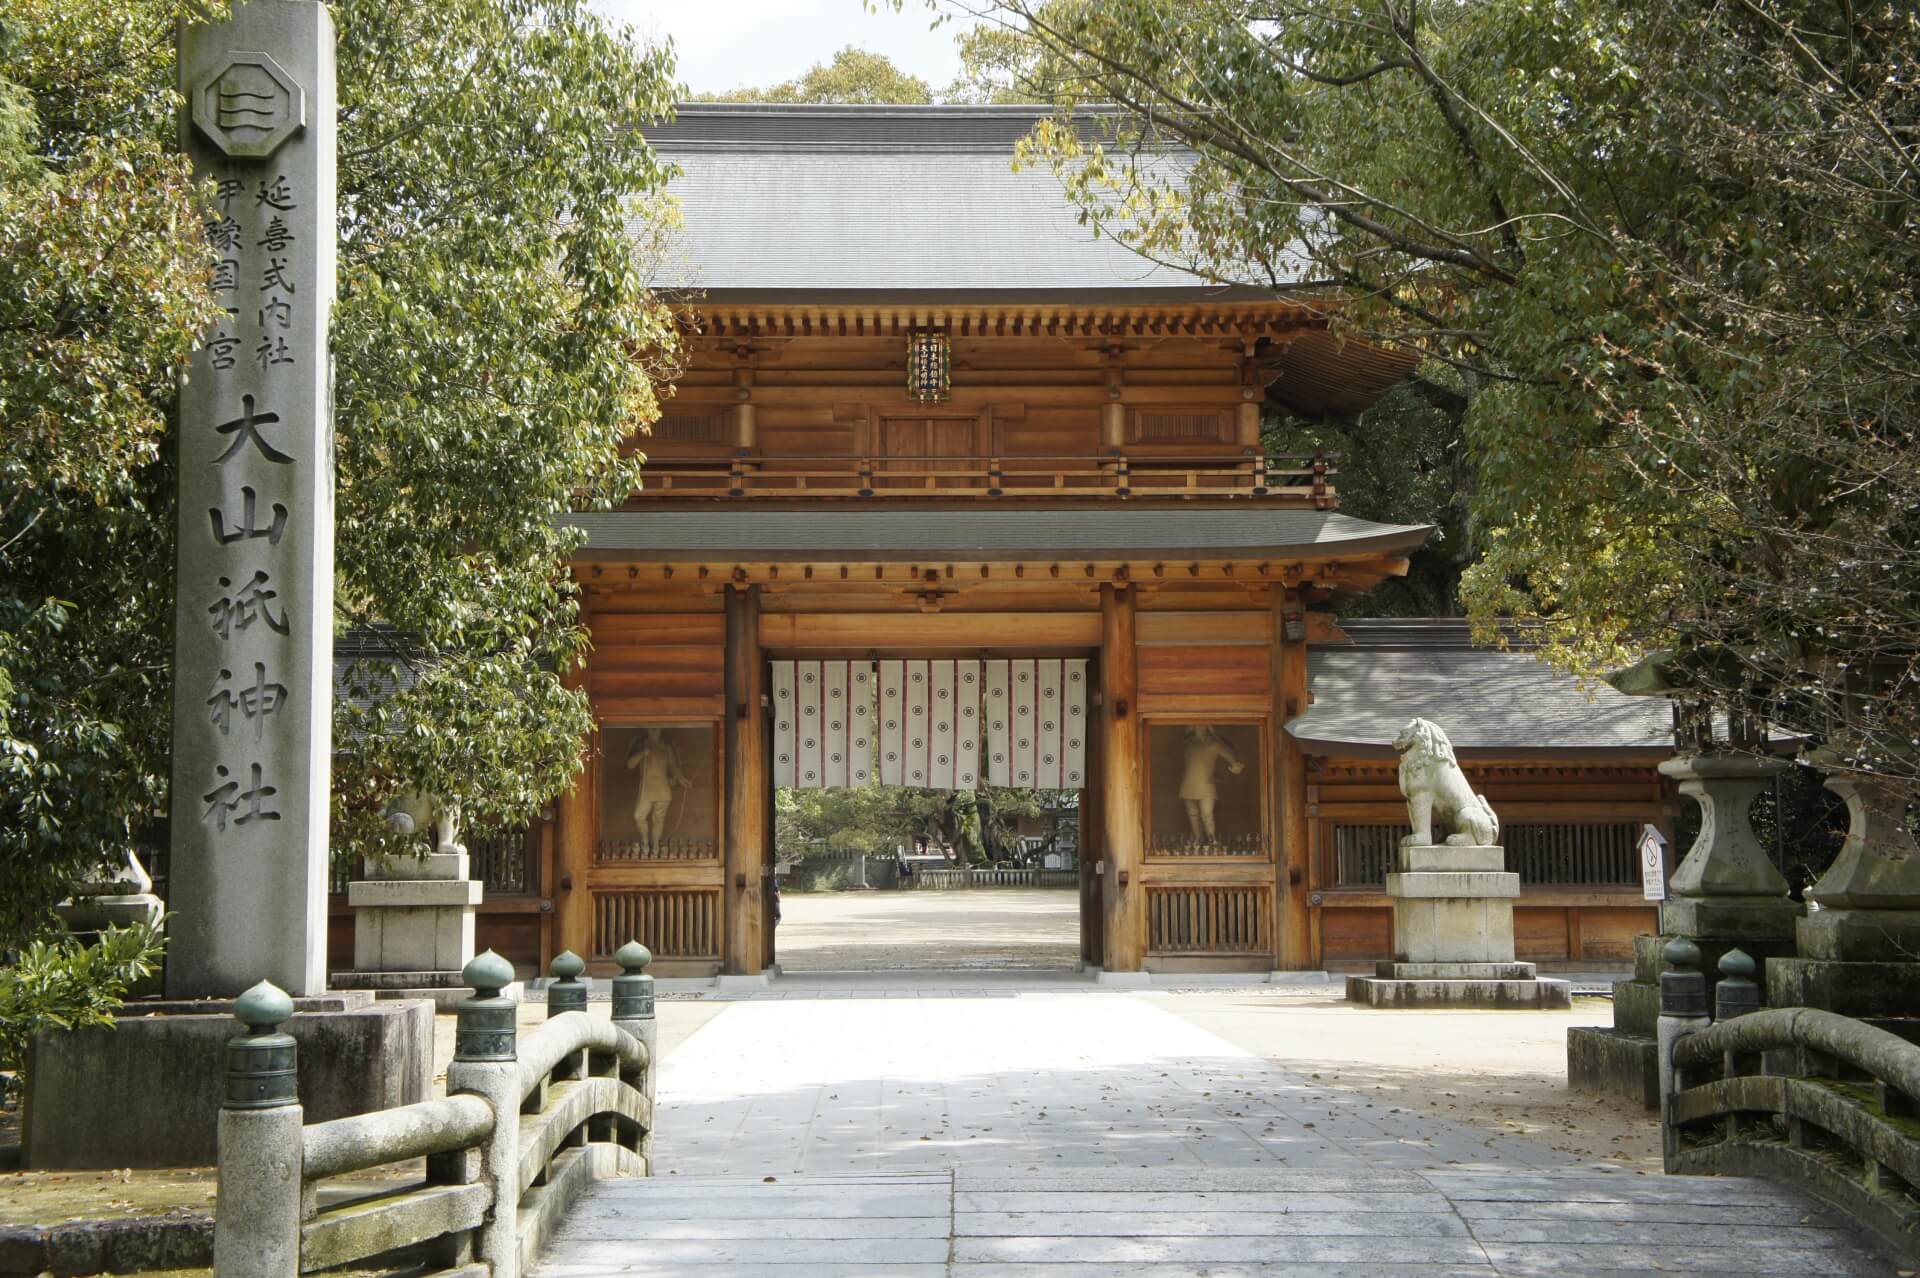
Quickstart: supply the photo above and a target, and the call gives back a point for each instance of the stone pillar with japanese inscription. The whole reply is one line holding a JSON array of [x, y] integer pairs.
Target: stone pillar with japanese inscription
[[252, 713]]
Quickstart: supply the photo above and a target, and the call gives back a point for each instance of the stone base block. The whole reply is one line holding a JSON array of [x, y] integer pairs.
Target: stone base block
[[1466, 884], [1531, 996], [742, 981], [1128, 980], [430, 938], [1636, 1007], [1431, 857], [415, 894], [444, 989], [1750, 918], [1613, 1062], [1390, 971], [1850, 989], [432, 865], [1452, 930], [146, 1091], [1860, 936]]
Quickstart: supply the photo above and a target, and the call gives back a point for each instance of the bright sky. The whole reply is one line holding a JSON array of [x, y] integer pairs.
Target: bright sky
[[730, 44]]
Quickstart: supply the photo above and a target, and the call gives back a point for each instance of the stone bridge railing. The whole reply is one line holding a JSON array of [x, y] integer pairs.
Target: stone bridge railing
[[525, 1124], [1823, 1101]]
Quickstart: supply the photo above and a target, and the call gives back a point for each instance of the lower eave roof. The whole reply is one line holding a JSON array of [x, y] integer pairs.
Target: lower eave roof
[[1491, 703], [878, 536]]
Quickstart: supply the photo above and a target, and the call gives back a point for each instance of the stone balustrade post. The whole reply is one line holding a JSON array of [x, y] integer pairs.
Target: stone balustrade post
[[633, 1012], [567, 993], [486, 1063], [257, 1204], [1683, 1011]]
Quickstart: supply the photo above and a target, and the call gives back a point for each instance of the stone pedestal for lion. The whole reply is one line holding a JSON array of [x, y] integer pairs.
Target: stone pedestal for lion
[[1452, 900], [1453, 936], [413, 917]]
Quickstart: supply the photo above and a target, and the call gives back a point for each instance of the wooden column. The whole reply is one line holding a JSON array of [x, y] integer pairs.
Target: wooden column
[[747, 795], [1294, 950], [1113, 414], [746, 435], [1122, 785], [577, 816], [545, 871], [1247, 417]]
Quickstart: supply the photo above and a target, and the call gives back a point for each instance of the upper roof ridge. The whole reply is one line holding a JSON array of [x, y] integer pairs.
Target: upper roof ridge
[[810, 126]]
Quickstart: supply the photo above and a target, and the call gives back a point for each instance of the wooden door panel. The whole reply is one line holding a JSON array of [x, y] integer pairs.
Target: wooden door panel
[[953, 437], [921, 443]]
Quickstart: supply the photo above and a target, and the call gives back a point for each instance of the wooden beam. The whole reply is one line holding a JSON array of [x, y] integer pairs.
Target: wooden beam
[[864, 630], [1122, 801], [747, 782], [1182, 629], [1035, 573], [975, 396]]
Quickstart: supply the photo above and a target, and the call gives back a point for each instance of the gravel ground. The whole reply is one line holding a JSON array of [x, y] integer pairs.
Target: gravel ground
[[887, 930]]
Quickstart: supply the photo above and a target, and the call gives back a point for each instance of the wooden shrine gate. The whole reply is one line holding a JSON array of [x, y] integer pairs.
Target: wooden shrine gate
[[668, 835]]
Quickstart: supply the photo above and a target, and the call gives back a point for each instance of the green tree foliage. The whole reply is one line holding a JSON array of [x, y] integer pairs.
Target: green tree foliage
[[65, 983], [1668, 251], [102, 292], [1400, 463], [495, 344], [854, 76]]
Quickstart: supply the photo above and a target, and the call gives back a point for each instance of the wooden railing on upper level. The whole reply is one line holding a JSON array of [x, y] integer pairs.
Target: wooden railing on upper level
[[1297, 480]]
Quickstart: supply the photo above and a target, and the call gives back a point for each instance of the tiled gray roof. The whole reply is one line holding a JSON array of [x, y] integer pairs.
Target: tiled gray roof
[[895, 199], [875, 535], [1488, 701]]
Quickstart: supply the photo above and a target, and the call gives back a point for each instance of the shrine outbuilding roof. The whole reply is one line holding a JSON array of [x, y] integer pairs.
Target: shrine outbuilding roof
[[1491, 702], [902, 535], [820, 202]]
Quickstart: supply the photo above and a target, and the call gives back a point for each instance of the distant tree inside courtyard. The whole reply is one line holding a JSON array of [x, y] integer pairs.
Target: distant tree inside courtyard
[[495, 346], [854, 76], [1660, 260], [980, 825]]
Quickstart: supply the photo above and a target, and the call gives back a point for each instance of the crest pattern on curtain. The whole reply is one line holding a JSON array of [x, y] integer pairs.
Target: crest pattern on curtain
[[922, 723], [822, 724], [929, 726], [1036, 717]]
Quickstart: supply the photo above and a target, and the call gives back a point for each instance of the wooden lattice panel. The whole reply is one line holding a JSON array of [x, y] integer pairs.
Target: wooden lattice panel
[[1208, 920], [674, 923], [1162, 427]]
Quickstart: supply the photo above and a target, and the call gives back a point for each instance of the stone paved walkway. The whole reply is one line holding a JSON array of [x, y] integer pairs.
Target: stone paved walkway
[[1059, 1134]]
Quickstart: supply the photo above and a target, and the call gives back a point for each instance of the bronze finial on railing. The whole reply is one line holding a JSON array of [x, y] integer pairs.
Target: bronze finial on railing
[[263, 1063], [633, 988], [1737, 993], [487, 1025], [567, 993]]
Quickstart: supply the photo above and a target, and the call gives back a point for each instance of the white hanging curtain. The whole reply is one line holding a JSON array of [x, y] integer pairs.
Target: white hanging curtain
[[1036, 720], [928, 732], [822, 724]]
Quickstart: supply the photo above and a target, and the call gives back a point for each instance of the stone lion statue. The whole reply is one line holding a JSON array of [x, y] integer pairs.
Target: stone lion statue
[[413, 810], [1436, 788]]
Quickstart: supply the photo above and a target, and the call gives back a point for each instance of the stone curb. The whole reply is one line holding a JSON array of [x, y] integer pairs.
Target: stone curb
[[177, 1240]]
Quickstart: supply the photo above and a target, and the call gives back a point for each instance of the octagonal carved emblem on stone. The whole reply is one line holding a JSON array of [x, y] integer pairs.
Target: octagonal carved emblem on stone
[[249, 105]]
